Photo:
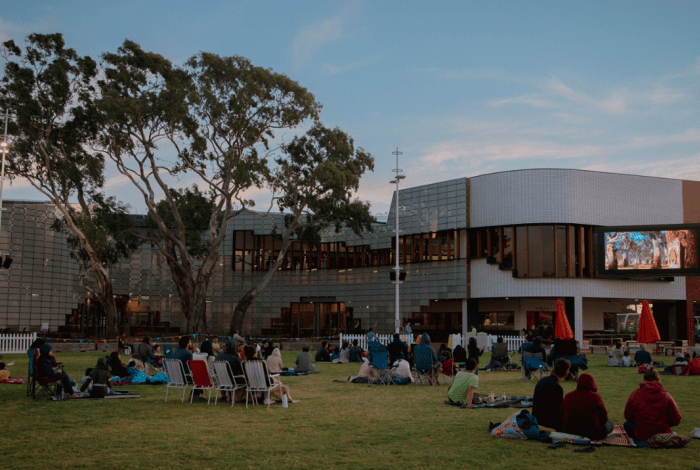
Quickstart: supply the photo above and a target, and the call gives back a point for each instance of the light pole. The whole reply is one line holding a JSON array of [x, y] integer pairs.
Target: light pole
[[3, 148], [397, 270]]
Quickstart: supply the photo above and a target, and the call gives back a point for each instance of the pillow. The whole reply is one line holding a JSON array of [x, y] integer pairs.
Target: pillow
[[669, 440]]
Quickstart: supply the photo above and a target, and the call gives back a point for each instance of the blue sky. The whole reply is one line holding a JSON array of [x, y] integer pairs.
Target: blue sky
[[462, 88]]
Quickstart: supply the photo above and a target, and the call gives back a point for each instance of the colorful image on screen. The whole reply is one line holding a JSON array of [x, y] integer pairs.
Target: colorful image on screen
[[661, 249]]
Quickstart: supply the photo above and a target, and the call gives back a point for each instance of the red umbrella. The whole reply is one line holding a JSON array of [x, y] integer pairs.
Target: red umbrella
[[562, 329], [647, 332]]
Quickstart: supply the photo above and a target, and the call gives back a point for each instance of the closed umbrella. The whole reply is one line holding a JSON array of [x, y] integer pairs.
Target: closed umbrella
[[647, 332], [562, 329]]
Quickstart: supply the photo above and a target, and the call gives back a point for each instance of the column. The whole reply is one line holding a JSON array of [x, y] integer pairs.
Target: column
[[578, 320], [465, 320]]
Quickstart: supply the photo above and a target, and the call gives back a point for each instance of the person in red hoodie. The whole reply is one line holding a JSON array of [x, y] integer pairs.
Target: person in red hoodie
[[650, 409], [584, 411]]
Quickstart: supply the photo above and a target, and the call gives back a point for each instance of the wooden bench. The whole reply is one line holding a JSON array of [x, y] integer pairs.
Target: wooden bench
[[598, 349]]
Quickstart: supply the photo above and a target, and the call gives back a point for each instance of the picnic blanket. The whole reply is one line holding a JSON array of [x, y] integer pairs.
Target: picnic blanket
[[14, 381], [291, 372], [137, 377], [616, 438], [509, 402]]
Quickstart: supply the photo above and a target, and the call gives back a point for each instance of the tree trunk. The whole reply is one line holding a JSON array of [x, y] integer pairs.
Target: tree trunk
[[240, 311]]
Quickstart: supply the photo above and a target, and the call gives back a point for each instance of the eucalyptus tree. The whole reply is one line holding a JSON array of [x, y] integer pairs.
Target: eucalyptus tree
[[43, 87], [313, 182], [215, 120]]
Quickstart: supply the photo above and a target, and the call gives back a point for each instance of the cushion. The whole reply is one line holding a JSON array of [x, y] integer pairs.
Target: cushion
[[668, 440]]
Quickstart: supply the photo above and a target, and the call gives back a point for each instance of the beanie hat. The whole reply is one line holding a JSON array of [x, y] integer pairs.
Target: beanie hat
[[45, 348]]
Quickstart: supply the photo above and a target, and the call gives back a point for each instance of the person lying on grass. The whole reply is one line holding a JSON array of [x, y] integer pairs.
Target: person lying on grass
[[465, 385], [548, 398]]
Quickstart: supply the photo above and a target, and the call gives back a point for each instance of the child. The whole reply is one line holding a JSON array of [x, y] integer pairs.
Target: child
[[4, 373], [335, 357], [215, 345], [626, 360]]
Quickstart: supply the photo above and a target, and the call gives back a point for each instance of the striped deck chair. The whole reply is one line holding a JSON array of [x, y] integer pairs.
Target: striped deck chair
[[176, 377], [201, 377], [258, 379], [227, 381]]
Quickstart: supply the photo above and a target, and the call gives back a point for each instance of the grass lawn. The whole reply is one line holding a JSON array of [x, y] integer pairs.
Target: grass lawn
[[335, 425]]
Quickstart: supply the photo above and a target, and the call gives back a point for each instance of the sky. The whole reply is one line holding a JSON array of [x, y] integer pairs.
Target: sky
[[462, 88]]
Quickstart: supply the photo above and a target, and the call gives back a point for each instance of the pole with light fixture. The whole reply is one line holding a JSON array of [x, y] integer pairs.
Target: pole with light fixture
[[3, 149], [397, 277]]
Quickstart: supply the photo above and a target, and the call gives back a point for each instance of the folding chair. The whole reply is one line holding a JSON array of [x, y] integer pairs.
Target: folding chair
[[426, 369], [201, 377], [258, 379], [47, 386], [168, 351], [227, 381], [30, 372], [532, 362], [448, 371], [380, 362], [176, 377]]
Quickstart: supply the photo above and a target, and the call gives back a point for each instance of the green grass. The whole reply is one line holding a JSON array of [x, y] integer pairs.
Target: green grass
[[336, 425]]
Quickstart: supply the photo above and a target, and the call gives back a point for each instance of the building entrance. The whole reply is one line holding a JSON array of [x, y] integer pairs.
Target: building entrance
[[315, 316]]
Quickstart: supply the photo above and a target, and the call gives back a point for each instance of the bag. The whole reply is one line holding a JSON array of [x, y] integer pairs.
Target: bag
[[669, 440], [643, 368], [509, 429], [528, 425]]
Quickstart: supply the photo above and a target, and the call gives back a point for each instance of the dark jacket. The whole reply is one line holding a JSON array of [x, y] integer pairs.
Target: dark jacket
[[642, 357], [474, 352], [207, 347], [143, 351], [100, 377], [118, 368], [322, 355], [652, 410], [547, 403], [459, 354], [584, 412]]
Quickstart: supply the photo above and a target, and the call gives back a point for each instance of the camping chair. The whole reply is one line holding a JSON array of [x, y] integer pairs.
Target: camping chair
[[43, 386], [532, 362], [380, 362], [448, 371], [201, 377], [426, 369], [258, 379], [30, 372], [176, 377], [227, 381], [168, 351]]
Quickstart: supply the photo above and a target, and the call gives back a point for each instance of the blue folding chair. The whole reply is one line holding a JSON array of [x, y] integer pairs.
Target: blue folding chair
[[532, 362], [168, 351], [426, 369], [379, 360]]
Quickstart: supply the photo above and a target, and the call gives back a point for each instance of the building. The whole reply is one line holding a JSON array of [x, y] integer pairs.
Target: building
[[495, 251]]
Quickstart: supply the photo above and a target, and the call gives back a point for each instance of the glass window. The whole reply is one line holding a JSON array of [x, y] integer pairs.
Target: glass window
[[561, 251], [507, 247], [548, 253], [521, 250], [534, 245], [497, 320], [495, 242]]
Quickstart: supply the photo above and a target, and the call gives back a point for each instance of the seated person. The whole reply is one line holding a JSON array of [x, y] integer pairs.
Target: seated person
[[277, 392], [268, 349], [584, 412], [650, 409], [642, 356], [99, 380], [335, 355], [304, 361], [207, 347], [274, 362], [366, 374], [442, 351], [355, 353], [344, 353], [447, 365], [142, 352], [215, 346], [694, 364], [403, 369], [626, 359], [322, 353], [397, 348], [548, 398], [47, 368], [229, 355], [424, 354], [536, 348], [464, 386], [615, 357], [184, 353], [525, 345], [459, 354], [499, 354], [115, 363]]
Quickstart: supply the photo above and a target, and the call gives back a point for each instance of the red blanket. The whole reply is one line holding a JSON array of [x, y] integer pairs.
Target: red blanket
[[14, 380]]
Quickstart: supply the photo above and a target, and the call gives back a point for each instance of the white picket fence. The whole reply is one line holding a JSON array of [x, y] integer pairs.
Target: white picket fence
[[362, 339], [16, 344], [486, 340]]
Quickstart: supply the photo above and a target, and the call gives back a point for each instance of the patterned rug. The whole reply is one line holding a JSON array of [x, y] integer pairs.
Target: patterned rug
[[14, 381], [616, 438]]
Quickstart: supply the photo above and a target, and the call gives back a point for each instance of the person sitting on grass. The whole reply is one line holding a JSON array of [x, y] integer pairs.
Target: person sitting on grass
[[304, 362], [274, 362], [142, 352], [626, 359], [615, 357], [46, 367], [650, 409], [499, 354], [322, 353], [584, 412], [459, 354], [464, 386], [335, 355], [355, 353], [642, 356], [694, 364], [99, 380], [548, 397], [115, 363]]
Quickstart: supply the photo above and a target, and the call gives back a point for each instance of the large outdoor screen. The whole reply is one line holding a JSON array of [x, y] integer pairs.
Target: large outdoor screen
[[649, 250]]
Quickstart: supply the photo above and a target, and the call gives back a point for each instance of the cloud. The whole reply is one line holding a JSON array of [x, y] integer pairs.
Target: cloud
[[18, 31], [331, 69], [314, 36]]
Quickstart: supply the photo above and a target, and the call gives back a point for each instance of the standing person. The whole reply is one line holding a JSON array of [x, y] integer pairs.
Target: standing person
[[474, 331], [407, 329], [370, 335], [46, 367], [474, 352], [548, 399], [584, 412], [464, 385], [304, 362], [650, 409], [322, 353]]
